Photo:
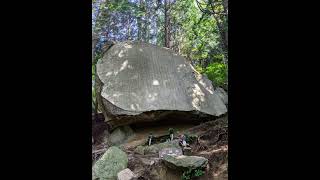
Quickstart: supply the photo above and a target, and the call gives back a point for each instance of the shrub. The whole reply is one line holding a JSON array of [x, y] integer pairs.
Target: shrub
[[191, 173], [217, 73], [200, 69], [198, 172]]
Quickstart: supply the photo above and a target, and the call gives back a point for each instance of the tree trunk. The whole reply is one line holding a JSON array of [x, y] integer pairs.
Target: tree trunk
[[225, 10], [166, 24], [221, 20], [223, 35], [147, 23], [94, 43], [139, 22], [128, 30]]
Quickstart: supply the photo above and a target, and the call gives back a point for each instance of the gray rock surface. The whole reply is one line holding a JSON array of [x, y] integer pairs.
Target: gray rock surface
[[222, 94], [126, 174], [120, 135], [170, 151], [185, 162], [156, 148], [107, 167], [140, 77]]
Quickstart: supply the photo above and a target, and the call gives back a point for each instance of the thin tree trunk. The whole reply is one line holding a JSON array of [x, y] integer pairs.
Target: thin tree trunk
[[128, 30], [147, 23], [94, 43], [221, 20], [166, 24], [170, 25], [223, 39], [139, 22], [225, 10]]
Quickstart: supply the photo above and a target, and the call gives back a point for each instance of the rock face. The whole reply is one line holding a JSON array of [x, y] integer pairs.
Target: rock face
[[185, 162], [223, 95], [126, 174], [107, 167], [139, 78]]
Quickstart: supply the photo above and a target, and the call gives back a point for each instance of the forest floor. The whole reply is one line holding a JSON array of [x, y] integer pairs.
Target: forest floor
[[212, 143]]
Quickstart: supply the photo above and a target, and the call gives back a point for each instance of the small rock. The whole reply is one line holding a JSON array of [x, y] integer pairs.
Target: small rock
[[152, 162], [148, 161], [154, 149], [126, 174], [120, 135], [185, 162], [170, 151]]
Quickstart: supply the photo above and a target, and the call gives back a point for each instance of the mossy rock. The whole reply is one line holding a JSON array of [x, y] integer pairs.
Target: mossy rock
[[107, 167], [185, 162]]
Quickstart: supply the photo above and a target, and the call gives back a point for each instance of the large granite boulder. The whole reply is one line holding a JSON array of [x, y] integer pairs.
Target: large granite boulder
[[107, 167], [143, 82]]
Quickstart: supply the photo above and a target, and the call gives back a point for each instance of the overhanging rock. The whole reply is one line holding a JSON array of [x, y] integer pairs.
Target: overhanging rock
[[140, 78]]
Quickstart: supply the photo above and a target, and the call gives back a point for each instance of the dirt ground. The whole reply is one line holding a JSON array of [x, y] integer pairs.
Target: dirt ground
[[212, 143]]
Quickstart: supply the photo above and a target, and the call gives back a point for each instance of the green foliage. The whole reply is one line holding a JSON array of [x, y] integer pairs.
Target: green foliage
[[194, 33], [217, 73], [218, 58], [199, 37], [200, 69], [191, 173], [186, 175], [198, 172]]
